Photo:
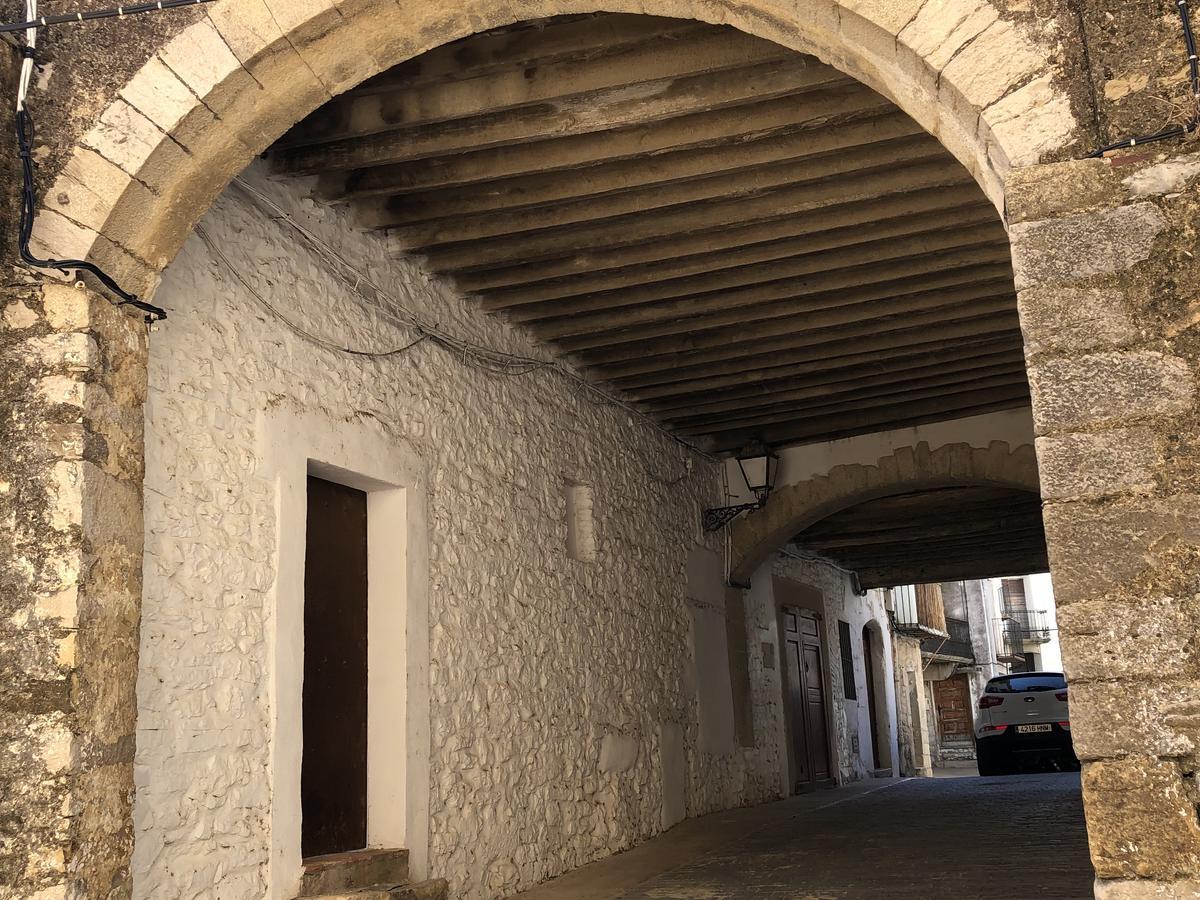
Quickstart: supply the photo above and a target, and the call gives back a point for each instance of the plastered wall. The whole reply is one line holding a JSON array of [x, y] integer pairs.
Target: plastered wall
[[550, 679]]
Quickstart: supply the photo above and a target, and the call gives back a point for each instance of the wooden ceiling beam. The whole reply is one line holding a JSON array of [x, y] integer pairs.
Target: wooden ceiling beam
[[928, 572], [735, 153], [948, 549], [586, 36], [357, 114], [716, 345], [635, 229], [762, 356], [913, 505], [809, 110], [919, 543], [589, 271], [673, 395], [946, 520], [823, 316], [587, 113], [733, 399], [824, 387], [390, 213], [801, 285], [889, 417], [861, 398]]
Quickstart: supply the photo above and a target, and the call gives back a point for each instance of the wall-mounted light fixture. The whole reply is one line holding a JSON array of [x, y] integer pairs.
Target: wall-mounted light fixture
[[758, 465]]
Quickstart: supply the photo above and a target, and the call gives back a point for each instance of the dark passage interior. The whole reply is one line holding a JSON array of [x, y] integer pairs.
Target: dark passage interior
[[333, 779]]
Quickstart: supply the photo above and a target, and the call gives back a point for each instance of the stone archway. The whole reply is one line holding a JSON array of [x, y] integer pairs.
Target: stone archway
[[794, 507], [224, 88]]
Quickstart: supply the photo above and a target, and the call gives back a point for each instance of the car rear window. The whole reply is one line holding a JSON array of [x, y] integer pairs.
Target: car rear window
[[1021, 684]]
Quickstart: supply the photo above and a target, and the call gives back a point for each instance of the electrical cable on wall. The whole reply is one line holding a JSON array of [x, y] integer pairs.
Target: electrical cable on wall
[[1193, 121], [26, 135], [486, 359]]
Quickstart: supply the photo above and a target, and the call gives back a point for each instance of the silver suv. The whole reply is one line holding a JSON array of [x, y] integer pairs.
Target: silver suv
[[1023, 720]]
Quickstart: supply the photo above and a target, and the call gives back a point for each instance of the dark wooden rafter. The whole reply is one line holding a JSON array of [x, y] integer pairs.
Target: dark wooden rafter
[[741, 240], [950, 533]]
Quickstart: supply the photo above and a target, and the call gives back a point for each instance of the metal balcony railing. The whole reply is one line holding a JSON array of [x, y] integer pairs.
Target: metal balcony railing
[[1028, 625]]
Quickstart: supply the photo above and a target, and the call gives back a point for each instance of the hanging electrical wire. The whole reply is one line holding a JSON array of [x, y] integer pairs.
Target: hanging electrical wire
[[1192, 123], [471, 354], [34, 21], [27, 133]]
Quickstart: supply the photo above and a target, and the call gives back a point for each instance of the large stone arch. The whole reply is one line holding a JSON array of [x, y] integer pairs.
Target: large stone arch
[[796, 506], [224, 88]]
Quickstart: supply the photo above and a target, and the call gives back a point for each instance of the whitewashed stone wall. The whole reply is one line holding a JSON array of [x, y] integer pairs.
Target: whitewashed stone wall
[[536, 658]]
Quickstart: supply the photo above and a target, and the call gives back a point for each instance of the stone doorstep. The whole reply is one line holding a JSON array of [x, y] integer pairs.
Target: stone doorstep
[[353, 870], [434, 889]]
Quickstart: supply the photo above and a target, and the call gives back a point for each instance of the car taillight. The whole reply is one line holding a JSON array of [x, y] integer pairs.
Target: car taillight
[[1061, 695], [986, 701], [1065, 726], [998, 729]]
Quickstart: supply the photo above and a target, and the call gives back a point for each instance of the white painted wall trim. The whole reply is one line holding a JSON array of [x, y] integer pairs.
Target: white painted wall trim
[[359, 454]]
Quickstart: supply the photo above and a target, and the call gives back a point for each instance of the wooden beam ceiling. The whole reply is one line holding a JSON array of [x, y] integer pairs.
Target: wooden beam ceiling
[[739, 239], [937, 535]]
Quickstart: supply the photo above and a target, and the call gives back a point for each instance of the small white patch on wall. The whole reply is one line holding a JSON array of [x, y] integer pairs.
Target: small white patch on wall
[[581, 522]]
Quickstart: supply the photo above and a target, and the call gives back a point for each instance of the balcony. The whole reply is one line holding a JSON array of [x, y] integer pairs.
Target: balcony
[[1031, 626], [956, 646]]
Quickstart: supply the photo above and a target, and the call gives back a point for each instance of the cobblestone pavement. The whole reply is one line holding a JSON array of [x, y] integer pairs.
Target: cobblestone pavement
[[956, 838]]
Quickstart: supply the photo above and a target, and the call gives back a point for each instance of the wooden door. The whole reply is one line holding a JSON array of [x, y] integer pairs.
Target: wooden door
[[872, 712], [333, 776], [805, 686], [952, 699]]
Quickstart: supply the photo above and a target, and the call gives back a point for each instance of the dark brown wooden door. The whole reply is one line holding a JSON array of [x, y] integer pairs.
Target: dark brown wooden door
[[805, 688], [333, 775], [872, 714], [952, 699]]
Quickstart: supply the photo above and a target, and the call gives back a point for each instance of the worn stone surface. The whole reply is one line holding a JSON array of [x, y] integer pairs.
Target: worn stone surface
[[1063, 250], [820, 853], [1108, 388], [1095, 549], [1071, 319], [1113, 719], [1090, 466], [70, 476], [1141, 822]]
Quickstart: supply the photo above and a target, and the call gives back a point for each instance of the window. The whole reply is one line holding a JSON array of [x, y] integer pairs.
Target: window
[[1023, 684], [849, 688]]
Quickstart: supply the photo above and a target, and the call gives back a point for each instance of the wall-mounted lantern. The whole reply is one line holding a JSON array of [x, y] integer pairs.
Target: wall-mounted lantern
[[759, 467]]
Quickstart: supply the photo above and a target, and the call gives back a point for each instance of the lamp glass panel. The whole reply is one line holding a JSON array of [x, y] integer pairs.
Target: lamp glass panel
[[754, 470]]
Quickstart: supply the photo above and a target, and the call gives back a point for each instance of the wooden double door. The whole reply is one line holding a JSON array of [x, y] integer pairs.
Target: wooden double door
[[804, 690]]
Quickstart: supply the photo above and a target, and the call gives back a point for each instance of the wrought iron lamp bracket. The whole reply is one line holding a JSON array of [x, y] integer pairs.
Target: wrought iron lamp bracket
[[717, 518]]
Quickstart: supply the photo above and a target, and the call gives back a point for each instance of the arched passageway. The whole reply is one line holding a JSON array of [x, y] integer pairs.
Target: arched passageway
[[228, 85]]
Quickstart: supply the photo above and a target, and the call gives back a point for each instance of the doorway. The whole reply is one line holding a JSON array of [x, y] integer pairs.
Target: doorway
[[333, 773], [805, 697], [955, 721], [872, 710]]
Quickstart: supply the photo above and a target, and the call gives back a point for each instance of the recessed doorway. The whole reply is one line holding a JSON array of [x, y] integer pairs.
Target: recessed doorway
[[333, 775]]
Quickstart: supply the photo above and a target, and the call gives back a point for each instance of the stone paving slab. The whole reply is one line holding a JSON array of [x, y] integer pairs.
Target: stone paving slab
[[956, 838]]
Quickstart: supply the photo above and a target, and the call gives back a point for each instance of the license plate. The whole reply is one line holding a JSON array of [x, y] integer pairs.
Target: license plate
[[1030, 729]]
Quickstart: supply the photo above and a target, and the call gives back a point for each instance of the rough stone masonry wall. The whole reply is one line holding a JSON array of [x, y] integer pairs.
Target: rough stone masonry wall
[[1105, 255], [70, 585], [535, 657]]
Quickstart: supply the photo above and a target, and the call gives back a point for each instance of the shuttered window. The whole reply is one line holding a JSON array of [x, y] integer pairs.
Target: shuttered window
[[848, 685]]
